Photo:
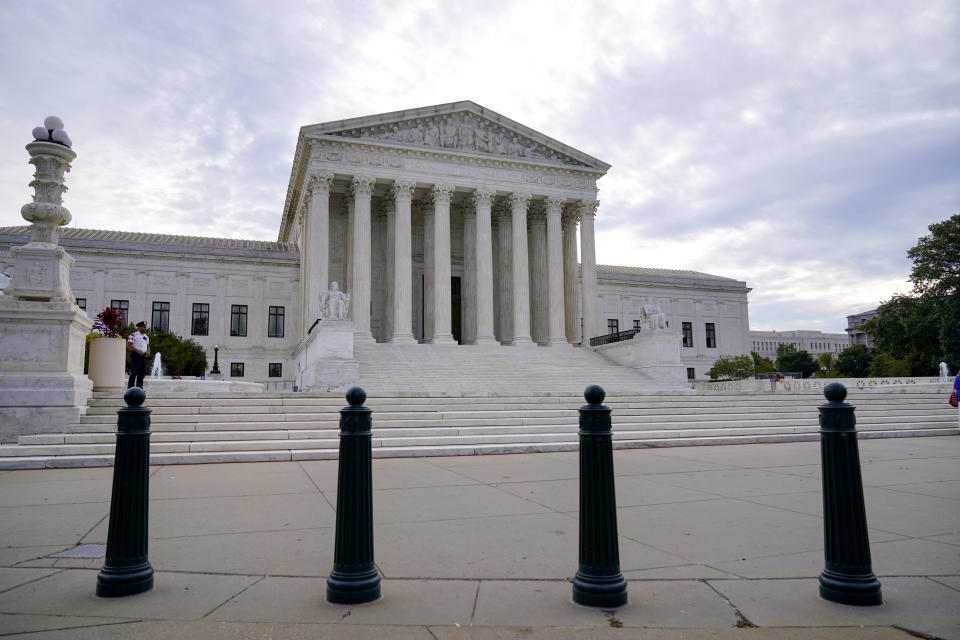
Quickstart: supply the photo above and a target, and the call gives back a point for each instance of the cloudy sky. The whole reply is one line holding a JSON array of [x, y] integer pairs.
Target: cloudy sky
[[800, 146]]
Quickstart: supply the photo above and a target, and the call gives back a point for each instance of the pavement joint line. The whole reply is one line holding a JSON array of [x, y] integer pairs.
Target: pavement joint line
[[54, 571], [476, 599], [241, 592], [68, 628], [746, 622]]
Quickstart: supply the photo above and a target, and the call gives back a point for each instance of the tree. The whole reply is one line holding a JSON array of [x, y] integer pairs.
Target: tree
[[907, 328], [854, 362], [936, 260], [826, 361], [883, 365], [790, 359], [731, 368], [179, 356], [761, 364]]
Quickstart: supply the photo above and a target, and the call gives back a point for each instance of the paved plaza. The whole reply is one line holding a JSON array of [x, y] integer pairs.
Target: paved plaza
[[717, 542]]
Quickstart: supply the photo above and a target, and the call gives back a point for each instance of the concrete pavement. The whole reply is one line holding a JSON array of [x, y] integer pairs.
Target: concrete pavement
[[717, 542]]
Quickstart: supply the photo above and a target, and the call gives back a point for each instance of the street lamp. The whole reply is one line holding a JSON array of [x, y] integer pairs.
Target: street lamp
[[216, 366]]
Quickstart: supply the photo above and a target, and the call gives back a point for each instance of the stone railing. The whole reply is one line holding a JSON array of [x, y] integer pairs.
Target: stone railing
[[815, 385]]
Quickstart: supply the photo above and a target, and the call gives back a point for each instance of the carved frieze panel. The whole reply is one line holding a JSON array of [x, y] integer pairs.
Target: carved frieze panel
[[241, 287], [463, 131], [121, 280], [202, 284], [81, 278], [165, 281]]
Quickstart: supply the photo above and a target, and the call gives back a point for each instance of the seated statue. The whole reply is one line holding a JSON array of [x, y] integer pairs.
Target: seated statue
[[334, 303], [654, 319]]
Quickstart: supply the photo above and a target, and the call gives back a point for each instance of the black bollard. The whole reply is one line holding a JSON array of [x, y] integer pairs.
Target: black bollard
[[127, 570], [598, 582], [847, 577], [354, 579]]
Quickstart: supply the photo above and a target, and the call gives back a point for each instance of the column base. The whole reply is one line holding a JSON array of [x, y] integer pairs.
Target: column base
[[861, 590], [523, 341], [558, 342], [116, 582], [353, 587], [607, 591], [403, 339], [484, 340], [444, 340]]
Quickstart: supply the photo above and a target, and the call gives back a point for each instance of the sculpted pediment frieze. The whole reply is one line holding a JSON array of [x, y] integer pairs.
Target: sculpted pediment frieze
[[463, 131]]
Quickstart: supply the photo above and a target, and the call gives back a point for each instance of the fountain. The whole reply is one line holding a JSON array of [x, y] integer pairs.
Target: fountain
[[156, 370]]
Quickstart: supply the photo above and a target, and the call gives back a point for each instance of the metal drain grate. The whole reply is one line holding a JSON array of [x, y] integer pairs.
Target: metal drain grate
[[82, 551]]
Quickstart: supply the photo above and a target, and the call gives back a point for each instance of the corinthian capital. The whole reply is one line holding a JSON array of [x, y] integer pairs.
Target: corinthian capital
[[519, 201], [483, 197], [442, 193], [555, 205], [587, 208], [319, 184], [362, 186], [403, 189]]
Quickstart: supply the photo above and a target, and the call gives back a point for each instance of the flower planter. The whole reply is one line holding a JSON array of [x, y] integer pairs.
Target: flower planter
[[107, 364]]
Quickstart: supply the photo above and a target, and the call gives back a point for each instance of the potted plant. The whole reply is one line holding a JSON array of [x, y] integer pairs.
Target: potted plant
[[108, 352]]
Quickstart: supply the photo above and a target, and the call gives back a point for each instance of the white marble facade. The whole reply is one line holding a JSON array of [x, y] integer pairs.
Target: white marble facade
[[448, 224]]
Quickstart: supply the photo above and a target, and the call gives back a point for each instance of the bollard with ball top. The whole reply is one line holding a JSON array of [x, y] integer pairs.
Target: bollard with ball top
[[848, 576], [598, 582], [354, 579], [127, 570]]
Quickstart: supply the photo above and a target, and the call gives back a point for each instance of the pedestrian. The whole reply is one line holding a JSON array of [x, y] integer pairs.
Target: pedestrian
[[956, 390], [138, 344]]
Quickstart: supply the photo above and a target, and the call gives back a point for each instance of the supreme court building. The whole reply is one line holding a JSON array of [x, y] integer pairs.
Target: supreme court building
[[448, 224]]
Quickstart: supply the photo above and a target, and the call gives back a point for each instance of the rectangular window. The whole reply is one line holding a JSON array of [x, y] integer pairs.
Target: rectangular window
[[236, 369], [275, 370], [691, 373], [275, 322], [613, 325], [688, 334], [636, 325], [238, 319], [160, 319], [711, 335], [123, 306], [200, 325], [82, 303]]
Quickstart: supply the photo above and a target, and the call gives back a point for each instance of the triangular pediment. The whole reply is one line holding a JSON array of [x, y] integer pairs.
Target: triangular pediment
[[459, 127]]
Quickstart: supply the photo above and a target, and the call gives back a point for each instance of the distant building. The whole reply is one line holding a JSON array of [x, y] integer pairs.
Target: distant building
[[855, 331], [813, 342]]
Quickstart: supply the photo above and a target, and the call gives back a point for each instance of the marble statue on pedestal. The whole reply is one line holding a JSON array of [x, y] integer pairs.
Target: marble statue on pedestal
[[653, 317], [334, 304]]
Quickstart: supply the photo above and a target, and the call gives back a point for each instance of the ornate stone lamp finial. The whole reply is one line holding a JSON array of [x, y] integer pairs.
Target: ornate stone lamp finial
[[42, 271]]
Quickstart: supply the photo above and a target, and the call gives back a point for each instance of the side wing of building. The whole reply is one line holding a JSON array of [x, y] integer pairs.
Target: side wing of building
[[240, 295]]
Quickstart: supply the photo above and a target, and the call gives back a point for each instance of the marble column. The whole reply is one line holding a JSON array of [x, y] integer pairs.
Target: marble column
[[570, 273], [520, 269], [556, 313], [588, 271], [539, 295], [429, 274], [402, 264], [316, 249], [483, 201], [348, 280], [468, 289], [442, 327], [390, 213], [360, 296], [503, 274]]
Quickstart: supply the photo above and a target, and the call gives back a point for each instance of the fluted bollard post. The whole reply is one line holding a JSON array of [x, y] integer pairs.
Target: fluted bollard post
[[354, 579], [848, 576], [598, 582], [127, 570]]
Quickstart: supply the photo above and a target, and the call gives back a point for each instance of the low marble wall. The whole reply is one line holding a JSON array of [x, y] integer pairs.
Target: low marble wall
[[816, 385]]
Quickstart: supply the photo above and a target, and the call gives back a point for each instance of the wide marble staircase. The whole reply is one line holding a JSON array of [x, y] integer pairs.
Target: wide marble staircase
[[430, 401]]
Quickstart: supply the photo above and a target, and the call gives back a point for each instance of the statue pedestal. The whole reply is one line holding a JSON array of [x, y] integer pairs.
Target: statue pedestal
[[42, 384], [655, 354], [324, 359]]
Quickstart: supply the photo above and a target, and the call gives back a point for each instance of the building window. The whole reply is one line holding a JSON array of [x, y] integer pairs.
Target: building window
[[160, 319], [711, 335], [123, 306], [691, 373], [236, 369], [687, 334], [238, 320], [200, 326], [275, 322], [275, 370], [636, 325], [82, 303], [613, 325]]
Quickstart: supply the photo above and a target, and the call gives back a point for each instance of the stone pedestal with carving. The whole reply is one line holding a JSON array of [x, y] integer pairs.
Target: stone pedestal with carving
[[42, 333], [654, 353], [324, 359]]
